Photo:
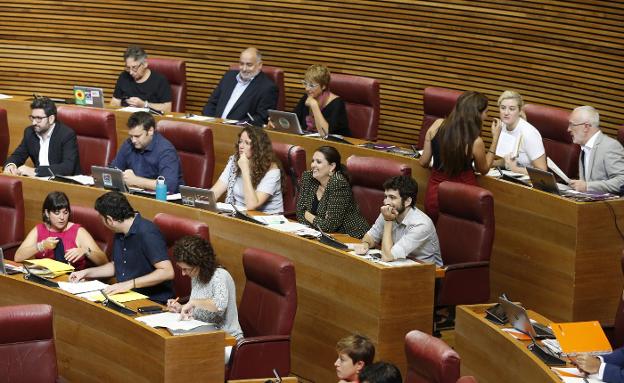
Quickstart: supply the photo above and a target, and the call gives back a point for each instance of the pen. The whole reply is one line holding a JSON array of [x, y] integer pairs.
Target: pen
[[251, 118]]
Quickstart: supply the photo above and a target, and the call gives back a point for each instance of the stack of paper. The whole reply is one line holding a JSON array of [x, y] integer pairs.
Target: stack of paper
[[82, 287], [48, 268], [171, 321], [96, 296], [573, 375]]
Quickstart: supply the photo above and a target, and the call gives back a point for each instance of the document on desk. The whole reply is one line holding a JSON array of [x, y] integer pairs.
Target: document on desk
[[171, 321], [374, 255], [194, 117], [82, 287], [227, 207], [272, 220], [132, 109], [4, 96], [96, 296], [573, 375]]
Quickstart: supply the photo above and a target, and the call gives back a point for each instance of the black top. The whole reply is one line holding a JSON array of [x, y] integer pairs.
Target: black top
[[155, 89], [335, 113], [315, 203], [437, 159]]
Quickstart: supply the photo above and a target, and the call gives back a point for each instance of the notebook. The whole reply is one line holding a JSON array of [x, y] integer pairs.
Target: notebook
[[199, 198], [108, 178], [580, 337], [87, 96], [286, 122]]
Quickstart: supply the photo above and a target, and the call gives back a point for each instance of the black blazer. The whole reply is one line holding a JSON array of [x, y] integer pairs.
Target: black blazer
[[257, 99], [62, 153]]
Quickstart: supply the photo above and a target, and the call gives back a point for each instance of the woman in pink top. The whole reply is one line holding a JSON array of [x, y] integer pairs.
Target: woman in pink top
[[43, 239]]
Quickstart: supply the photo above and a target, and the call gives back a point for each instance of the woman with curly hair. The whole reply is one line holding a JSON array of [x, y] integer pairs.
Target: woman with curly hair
[[213, 293], [252, 176], [454, 143]]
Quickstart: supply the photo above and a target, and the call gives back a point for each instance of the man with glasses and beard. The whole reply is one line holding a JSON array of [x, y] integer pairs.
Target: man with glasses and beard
[[50, 144], [402, 229], [139, 86], [245, 94]]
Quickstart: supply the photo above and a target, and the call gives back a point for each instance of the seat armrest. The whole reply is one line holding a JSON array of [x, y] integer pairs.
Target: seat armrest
[[262, 339], [10, 245], [258, 356], [466, 265]]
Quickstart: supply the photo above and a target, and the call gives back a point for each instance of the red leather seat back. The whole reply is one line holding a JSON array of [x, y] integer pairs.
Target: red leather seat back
[[269, 300], [429, 359], [465, 225], [277, 75], [437, 103], [552, 124], [95, 132], [194, 144], [27, 352], [293, 159], [368, 175], [620, 135], [90, 220], [4, 136], [361, 96], [174, 228], [175, 71], [11, 212]]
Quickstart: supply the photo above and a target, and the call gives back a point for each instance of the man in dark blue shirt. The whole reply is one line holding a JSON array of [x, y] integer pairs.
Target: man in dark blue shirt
[[146, 155], [140, 260]]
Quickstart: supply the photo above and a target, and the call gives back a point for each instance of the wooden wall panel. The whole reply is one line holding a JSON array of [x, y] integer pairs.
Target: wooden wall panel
[[559, 53]]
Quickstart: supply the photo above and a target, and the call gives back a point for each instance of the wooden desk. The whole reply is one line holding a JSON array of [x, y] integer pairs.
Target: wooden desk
[[493, 356], [338, 293], [96, 344], [558, 256]]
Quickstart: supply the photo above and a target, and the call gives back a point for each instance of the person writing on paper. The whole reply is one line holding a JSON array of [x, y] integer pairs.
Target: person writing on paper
[[42, 241], [50, 145], [213, 293], [252, 177], [139, 86], [325, 197], [601, 163], [454, 143], [520, 143], [147, 154], [402, 229], [609, 367], [140, 261], [320, 110]]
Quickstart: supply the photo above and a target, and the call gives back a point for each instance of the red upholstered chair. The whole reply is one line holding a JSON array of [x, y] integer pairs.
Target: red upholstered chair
[[467, 379], [552, 124], [465, 229], [437, 103], [11, 215], [27, 352], [4, 136], [293, 159], [620, 135], [90, 220], [174, 228], [175, 72], [95, 132], [429, 359], [368, 175], [277, 75], [194, 144], [266, 314], [361, 96]]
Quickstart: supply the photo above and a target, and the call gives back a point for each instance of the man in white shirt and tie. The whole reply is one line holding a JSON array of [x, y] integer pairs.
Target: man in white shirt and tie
[[245, 94], [601, 163]]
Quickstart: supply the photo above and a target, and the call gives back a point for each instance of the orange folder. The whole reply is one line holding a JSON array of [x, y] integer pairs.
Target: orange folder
[[580, 337]]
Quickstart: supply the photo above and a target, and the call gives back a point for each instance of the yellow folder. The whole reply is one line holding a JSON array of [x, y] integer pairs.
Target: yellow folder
[[50, 268], [580, 337]]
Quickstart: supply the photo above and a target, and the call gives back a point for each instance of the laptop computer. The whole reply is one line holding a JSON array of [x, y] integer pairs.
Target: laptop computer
[[286, 122], [199, 198], [108, 178], [545, 181], [519, 319], [88, 96]]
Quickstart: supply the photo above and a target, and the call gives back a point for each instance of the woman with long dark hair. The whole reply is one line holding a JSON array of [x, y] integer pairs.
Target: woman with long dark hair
[[454, 143]]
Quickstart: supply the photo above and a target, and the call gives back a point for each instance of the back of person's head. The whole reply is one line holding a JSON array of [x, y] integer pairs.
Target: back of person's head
[[136, 53], [332, 155], [358, 347], [44, 103], [380, 372], [115, 205], [459, 131], [144, 119], [196, 252], [262, 155], [317, 74], [405, 185], [54, 202]]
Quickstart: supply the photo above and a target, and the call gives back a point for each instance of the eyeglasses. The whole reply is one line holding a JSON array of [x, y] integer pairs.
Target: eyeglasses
[[308, 85], [37, 118], [134, 68], [571, 124]]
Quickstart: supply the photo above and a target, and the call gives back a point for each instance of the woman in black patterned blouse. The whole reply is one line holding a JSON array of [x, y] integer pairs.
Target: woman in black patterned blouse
[[325, 197]]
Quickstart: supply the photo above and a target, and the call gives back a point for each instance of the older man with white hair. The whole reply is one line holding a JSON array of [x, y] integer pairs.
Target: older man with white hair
[[601, 163]]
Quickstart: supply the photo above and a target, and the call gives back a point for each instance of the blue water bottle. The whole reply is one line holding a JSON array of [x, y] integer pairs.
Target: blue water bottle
[[161, 189]]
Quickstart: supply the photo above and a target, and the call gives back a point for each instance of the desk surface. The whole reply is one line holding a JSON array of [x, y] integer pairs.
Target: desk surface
[[96, 344], [493, 356]]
